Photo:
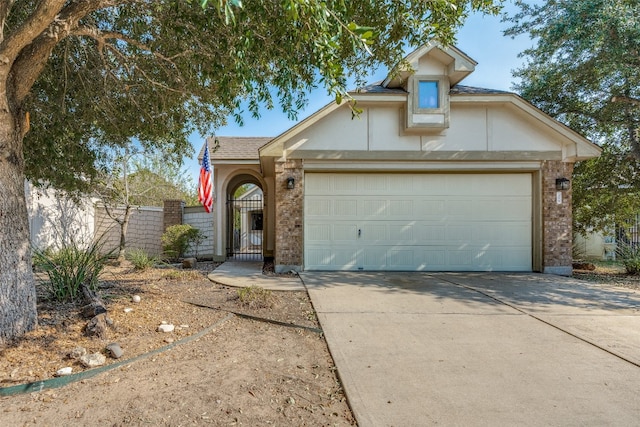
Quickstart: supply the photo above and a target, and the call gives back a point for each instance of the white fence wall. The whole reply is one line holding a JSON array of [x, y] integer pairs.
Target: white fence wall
[[56, 220], [198, 218], [144, 231]]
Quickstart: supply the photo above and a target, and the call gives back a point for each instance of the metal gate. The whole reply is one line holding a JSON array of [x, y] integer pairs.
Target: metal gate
[[244, 228]]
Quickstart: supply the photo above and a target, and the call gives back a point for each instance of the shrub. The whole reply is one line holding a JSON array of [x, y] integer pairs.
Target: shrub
[[629, 255], [69, 268], [177, 238], [256, 297], [140, 259]]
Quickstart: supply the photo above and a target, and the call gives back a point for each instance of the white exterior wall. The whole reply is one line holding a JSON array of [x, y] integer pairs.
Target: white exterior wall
[[55, 220], [474, 129], [198, 218]]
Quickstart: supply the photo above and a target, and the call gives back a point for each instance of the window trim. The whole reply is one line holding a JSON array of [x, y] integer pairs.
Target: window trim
[[414, 103]]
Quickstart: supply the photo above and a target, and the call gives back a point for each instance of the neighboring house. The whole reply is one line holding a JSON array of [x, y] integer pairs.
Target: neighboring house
[[431, 176], [603, 246]]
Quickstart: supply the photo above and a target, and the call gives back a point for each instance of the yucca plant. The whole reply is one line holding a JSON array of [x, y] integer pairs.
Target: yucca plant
[[69, 268]]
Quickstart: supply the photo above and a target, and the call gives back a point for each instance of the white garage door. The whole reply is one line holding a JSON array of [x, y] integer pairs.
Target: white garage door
[[418, 222]]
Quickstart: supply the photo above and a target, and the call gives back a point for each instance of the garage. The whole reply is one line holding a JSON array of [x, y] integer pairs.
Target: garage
[[418, 221]]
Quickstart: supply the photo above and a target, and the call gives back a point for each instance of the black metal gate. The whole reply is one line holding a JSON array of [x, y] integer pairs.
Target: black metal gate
[[244, 228]]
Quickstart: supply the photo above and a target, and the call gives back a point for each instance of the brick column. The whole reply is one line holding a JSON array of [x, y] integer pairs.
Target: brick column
[[289, 216], [172, 213], [557, 217]]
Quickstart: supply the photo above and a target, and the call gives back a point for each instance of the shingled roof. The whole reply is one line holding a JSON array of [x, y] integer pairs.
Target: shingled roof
[[470, 90], [377, 88], [234, 147]]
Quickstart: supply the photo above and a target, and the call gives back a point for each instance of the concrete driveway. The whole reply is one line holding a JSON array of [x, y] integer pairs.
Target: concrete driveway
[[417, 349]]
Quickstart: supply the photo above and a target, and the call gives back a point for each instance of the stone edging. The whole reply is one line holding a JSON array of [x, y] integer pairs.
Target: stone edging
[[56, 382]]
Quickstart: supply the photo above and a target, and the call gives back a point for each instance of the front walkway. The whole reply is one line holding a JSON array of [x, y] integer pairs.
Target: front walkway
[[249, 273]]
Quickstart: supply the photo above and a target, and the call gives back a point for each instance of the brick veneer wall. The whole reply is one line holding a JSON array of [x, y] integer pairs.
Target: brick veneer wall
[[289, 216], [172, 213], [556, 220]]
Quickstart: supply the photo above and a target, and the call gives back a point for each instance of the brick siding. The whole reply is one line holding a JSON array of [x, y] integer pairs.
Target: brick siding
[[557, 228], [173, 210], [289, 215]]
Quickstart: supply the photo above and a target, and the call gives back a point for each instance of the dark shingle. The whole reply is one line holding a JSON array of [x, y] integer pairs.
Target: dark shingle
[[470, 90], [234, 148]]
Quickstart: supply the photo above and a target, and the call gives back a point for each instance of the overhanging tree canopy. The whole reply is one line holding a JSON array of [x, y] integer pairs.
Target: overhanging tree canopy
[[584, 70], [80, 76]]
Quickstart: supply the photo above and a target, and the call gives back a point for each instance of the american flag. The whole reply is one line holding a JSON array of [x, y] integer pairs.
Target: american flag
[[205, 184]]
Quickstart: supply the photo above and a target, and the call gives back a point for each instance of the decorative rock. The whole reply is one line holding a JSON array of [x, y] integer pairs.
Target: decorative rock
[[77, 353], [166, 328], [128, 310], [64, 371], [136, 298], [93, 360], [97, 326], [189, 263], [115, 350], [168, 340]]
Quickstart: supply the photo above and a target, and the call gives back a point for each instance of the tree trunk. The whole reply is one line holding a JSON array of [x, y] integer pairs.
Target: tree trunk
[[124, 226], [17, 286]]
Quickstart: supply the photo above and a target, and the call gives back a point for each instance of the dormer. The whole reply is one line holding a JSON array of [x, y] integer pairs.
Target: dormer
[[427, 75]]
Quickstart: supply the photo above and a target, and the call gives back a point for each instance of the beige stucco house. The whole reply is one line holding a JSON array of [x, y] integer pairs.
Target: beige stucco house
[[431, 176]]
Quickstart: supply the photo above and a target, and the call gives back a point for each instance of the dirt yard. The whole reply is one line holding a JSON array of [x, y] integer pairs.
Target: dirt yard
[[243, 369]]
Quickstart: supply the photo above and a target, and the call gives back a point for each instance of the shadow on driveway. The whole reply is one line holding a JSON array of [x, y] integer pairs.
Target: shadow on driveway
[[481, 349]]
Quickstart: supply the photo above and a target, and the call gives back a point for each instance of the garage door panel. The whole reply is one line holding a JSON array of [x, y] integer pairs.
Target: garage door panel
[[433, 233], [433, 259], [373, 208], [502, 234], [345, 232], [375, 232], [318, 207], [347, 208], [403, 232], [422, 222], [319, 233]]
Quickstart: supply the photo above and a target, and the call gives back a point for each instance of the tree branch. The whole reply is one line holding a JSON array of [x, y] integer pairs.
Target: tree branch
[[41, 18], [32, 57], [626, 99], [5, 8], [101, 37]]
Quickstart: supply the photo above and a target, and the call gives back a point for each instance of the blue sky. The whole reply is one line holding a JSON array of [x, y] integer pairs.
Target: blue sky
[[481, 38]]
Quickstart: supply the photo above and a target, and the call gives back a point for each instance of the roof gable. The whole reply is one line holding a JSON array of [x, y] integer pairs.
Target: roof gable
[[432, 58]]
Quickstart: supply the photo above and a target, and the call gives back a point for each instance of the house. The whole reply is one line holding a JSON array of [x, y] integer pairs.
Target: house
[[432, 175]]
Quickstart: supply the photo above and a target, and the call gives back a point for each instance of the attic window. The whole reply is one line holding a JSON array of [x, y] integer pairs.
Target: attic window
[[428, 94], [428, 103]]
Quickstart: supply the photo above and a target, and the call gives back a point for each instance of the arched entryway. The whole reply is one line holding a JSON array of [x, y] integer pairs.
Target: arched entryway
[[245, 219]]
